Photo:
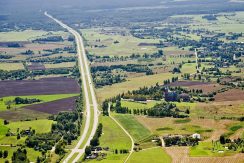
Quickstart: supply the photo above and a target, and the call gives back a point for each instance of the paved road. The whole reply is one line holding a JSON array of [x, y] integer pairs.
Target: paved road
[[127, 133], [197, 60], [87, 87]]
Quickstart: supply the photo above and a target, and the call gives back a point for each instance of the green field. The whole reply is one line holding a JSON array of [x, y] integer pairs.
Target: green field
[[154, 155], [60, 65], [132, 84], [114, 138], [11, 66], [136, 129], [40, 126], [223, 23], [26, 35], [119, 49], [3, 129], [44, 98], [137, 105], [189, 68], [31, 153]]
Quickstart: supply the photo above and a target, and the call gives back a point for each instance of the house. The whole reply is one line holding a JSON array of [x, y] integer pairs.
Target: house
[[196, 136], [170, 95]]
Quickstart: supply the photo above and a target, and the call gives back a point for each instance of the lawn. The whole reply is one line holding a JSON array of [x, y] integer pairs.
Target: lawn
[[136, 129], [11, 66], [138, 105], [43, 98], [154, 155], [233, 128], [3, 129], [188, 68], [40, 126], [206, 149], [182, 121], [131, 84]]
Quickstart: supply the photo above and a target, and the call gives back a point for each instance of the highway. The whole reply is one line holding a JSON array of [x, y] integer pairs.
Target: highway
[[89, 93]]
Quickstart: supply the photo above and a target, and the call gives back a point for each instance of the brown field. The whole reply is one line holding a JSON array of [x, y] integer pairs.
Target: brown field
[[59, 85], [205, 86], [230, 95], [54, 107], [23, 114], [181, 155], [187, 83], [222, 108], [218, 126], [179, 52], [33, 47]]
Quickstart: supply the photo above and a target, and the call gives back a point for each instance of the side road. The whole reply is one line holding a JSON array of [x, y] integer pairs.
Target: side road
[[127, 133]]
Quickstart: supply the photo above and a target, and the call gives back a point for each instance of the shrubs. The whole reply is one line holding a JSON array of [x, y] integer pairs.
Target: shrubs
[[3, 154], [19, 100], [95, 139], [20, 156]]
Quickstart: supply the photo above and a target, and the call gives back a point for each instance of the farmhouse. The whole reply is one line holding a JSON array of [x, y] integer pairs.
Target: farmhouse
[[196, 136], [175, 96]]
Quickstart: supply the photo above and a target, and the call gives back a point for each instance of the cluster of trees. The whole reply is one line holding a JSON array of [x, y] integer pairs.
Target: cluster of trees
[[3, 154], [23, 74], [54, 60], [105, 106], [232, 144], [95, 141], [28, 52], [180, 141], [104, 78], [13, 75], [145, 93], [20, 156], [121, 151], [19, 100], [60, 50], [52, 71], [165, 110], [128, 68], [14, 45], [119, 109], [50, 39], [173, 79], [5, 56]]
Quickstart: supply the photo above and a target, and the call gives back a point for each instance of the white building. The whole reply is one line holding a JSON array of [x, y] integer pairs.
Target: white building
[[196, 136]]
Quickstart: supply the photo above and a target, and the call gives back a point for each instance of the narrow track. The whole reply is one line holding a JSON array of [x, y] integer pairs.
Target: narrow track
[[127, 133]]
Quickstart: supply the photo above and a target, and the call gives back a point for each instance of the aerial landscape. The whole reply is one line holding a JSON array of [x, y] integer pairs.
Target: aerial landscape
[[132, 81]]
